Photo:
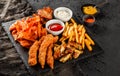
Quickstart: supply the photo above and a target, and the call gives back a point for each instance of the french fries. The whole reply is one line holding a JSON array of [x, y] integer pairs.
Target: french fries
[[73, 41], [72, 20], [88, 37], [77, 53], [77, 33], [83, 42], [87, 42], [82, 35]]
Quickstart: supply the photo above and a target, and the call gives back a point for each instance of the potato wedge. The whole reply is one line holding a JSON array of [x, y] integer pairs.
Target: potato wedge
[[77, 53], [65, 58]]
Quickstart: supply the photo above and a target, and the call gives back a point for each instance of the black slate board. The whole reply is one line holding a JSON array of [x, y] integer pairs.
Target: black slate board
[[37, 69]]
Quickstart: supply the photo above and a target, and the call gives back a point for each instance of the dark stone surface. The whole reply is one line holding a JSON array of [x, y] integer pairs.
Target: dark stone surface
[[10, 61], [16, 9], [106, 32]]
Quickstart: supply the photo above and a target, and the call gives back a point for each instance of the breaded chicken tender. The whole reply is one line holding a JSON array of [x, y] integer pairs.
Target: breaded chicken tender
[[43, 49], [32, 60], [48, 40], [50, 58]]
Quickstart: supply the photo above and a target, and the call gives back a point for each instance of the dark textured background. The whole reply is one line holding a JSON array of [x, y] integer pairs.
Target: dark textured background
[[106, 32]]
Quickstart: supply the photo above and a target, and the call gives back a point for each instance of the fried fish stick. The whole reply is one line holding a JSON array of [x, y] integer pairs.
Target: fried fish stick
[[32, 59], [43, 49], [50, 59]]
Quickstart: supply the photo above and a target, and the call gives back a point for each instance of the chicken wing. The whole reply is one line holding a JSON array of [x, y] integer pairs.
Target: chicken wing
[[46, 12], [30, 28]]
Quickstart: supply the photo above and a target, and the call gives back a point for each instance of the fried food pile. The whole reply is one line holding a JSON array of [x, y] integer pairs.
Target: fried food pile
[[31, 34], [29, 29], [73, 42], [42, 48]]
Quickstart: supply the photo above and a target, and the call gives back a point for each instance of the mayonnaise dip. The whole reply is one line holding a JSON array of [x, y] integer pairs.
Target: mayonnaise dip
[[63, 14]]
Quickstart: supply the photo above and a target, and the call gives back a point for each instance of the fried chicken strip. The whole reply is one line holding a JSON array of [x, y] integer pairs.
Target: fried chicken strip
[[50, 59], [41, 39], [43, 49], [32, 59]]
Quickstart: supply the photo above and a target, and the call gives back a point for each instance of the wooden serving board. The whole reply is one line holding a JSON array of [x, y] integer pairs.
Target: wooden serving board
[[34, 71]]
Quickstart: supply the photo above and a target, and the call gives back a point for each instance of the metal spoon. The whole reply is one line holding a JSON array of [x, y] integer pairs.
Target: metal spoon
[[101, 4]]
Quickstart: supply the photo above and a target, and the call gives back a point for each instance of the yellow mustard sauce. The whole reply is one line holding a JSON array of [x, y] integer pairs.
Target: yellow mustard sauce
[[90, 10]]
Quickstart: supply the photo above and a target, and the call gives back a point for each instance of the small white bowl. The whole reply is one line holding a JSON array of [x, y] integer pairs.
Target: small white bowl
[[61, 14], [52, 22]]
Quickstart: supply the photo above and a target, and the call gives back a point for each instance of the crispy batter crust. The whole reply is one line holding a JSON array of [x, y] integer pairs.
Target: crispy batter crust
[[32, 59], [50, 59]]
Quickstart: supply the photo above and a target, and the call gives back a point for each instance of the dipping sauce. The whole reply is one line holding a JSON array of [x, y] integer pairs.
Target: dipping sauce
[[90, 10], [55, 27], [89, 20], [63, 14]]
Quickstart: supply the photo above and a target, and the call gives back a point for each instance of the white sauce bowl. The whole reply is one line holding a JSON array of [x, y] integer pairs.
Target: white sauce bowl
[[63, 13]]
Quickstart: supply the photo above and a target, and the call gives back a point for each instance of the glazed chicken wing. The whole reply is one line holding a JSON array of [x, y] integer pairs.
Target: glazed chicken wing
[[46, 12]]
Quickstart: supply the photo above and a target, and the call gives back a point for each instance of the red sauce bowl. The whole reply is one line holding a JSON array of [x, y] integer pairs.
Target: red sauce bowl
[[89, 20], [55, 26]]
